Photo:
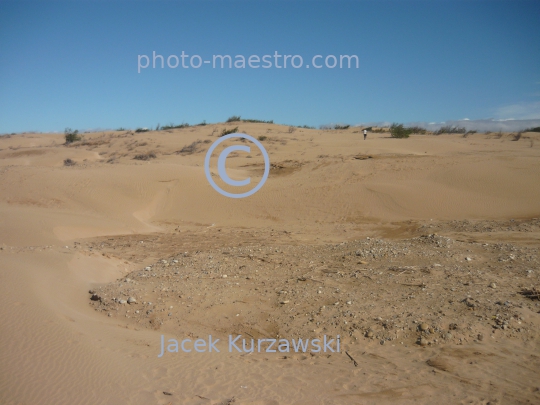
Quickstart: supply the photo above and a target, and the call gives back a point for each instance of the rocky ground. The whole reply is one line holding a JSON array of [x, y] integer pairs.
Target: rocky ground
[[426, 290]]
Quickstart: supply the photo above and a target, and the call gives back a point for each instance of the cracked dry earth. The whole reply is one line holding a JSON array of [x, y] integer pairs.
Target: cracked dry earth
[[463, 301]]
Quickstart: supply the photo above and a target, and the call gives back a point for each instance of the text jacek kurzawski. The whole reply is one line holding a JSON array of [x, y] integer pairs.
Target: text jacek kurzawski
[[238, 344]]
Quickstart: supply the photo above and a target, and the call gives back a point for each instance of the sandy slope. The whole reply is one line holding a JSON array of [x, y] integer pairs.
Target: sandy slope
[[324, 187]]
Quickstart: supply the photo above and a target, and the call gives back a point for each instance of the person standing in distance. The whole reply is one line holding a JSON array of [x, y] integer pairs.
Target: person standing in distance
[[365, 134]]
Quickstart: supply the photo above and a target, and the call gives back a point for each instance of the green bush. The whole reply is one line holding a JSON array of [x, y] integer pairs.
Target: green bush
[[337, 126], [142, 130], [172, 126], [71, 136], [234, 118], [449, 129], [417, 130], [228, 131], [257, 121], [263, 138], [535, 129], [399, 131]]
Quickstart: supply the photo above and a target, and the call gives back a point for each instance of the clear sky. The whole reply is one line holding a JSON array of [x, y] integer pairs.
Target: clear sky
[[75, 63]]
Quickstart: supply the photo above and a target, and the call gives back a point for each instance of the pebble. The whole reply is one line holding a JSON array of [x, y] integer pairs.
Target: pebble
[[349, 302], [131, 300], [493, 285], [424, 326], [369, 334], [148, 268], [284, 302], [448, 336], [224, 276], [468, 259], [122, 301], [423, 342]]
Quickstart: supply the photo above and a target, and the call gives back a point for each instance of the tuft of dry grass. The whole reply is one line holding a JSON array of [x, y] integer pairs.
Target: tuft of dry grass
[[145, 156]]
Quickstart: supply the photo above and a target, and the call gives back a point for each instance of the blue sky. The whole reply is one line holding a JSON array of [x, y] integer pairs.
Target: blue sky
[[74, 64]]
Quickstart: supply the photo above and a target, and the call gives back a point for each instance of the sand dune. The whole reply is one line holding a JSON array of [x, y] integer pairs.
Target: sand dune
[[65, 230]]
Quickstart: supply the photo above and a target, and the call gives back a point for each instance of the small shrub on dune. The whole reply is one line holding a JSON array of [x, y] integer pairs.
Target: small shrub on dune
[[145, 156], [71, 135], [449, 129], [399, 131], [228, 131], [257, 121], [69, 162], [233, 118], [191, 148], [417, 130], [172, 126]]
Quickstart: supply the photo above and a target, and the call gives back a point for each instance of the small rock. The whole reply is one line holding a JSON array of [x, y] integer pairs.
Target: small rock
[[131, 300], [349, 302], [423, 342], [122, 301], [284, 302], [424, 326], [448, 336], [480, 337], [148, 268], [224, 276], [468, 259], [95, 297], [369, 334], [493, 285]]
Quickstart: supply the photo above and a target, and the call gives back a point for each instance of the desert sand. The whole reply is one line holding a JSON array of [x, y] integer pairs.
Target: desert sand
[[422, 254]]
